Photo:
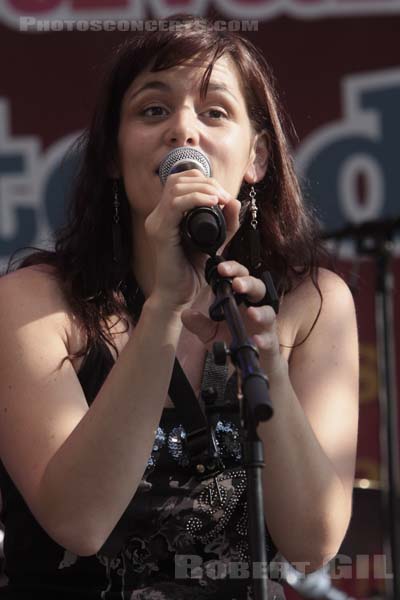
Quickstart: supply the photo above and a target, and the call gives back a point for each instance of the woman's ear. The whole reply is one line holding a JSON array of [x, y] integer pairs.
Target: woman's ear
[[259, 155]]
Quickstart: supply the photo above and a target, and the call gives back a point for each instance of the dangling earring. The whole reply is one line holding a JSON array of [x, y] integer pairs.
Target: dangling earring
[[116, 226], [254, 233]]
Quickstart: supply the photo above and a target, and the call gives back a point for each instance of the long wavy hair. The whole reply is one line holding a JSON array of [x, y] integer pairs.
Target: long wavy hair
[[83, 256]]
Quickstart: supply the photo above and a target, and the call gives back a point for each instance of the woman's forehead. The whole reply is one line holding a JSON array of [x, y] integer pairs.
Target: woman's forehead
[[190, 74]]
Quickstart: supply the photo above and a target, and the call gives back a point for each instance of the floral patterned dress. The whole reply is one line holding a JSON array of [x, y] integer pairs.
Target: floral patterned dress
[[180, 537]]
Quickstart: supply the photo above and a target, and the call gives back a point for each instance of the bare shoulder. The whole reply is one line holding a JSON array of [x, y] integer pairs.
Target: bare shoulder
[[33, 294], [36, 287], [37, 278], [309, 307], [329, 283]]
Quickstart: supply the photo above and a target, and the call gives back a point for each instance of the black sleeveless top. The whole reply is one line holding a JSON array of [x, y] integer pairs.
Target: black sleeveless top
[[179, 537]]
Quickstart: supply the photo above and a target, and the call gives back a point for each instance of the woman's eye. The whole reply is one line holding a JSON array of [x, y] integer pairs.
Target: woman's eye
[[154, 111], [215, 113]]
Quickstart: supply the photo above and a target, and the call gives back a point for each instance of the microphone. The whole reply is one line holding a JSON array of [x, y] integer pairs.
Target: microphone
[[203, 228]]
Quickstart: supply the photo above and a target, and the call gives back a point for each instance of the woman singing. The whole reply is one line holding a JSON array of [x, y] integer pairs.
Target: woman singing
[[100, 496]]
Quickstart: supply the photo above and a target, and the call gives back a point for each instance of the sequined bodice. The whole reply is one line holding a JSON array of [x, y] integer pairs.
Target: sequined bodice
[[172, 435]]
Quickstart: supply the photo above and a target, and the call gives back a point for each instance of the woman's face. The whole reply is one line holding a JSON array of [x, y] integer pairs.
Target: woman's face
[[163, 110]]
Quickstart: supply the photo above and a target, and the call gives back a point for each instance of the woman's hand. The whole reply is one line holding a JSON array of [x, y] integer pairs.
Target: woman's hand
[[178, 275], [260, 322]]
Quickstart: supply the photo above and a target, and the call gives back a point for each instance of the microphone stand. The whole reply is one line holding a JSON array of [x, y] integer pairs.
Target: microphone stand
[[205, 229], [255, 407], [374, 238]]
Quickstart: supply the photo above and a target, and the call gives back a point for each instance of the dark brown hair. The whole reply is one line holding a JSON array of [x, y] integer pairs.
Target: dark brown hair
[[83, 249]]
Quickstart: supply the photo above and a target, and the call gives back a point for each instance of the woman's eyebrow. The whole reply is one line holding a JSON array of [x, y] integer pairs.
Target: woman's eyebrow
[[220, 87], [151, 85], [165, 87]]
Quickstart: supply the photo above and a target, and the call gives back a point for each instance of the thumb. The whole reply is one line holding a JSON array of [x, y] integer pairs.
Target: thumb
[[197, 323]]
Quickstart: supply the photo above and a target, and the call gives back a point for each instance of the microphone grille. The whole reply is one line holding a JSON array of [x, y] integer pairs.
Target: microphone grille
[[183, 154]]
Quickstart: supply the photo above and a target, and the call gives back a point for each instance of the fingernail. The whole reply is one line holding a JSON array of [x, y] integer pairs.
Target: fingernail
[[226, 195]]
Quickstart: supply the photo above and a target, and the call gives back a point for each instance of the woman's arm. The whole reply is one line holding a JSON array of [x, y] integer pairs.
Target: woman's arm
[[76, 467], [310, 443]]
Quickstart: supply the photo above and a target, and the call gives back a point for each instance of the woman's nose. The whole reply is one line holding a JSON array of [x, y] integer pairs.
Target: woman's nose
[[182, 129]]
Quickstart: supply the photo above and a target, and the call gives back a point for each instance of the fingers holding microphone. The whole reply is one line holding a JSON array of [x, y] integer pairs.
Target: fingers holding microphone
[[192, 189], [187, 188], [204, 228]]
